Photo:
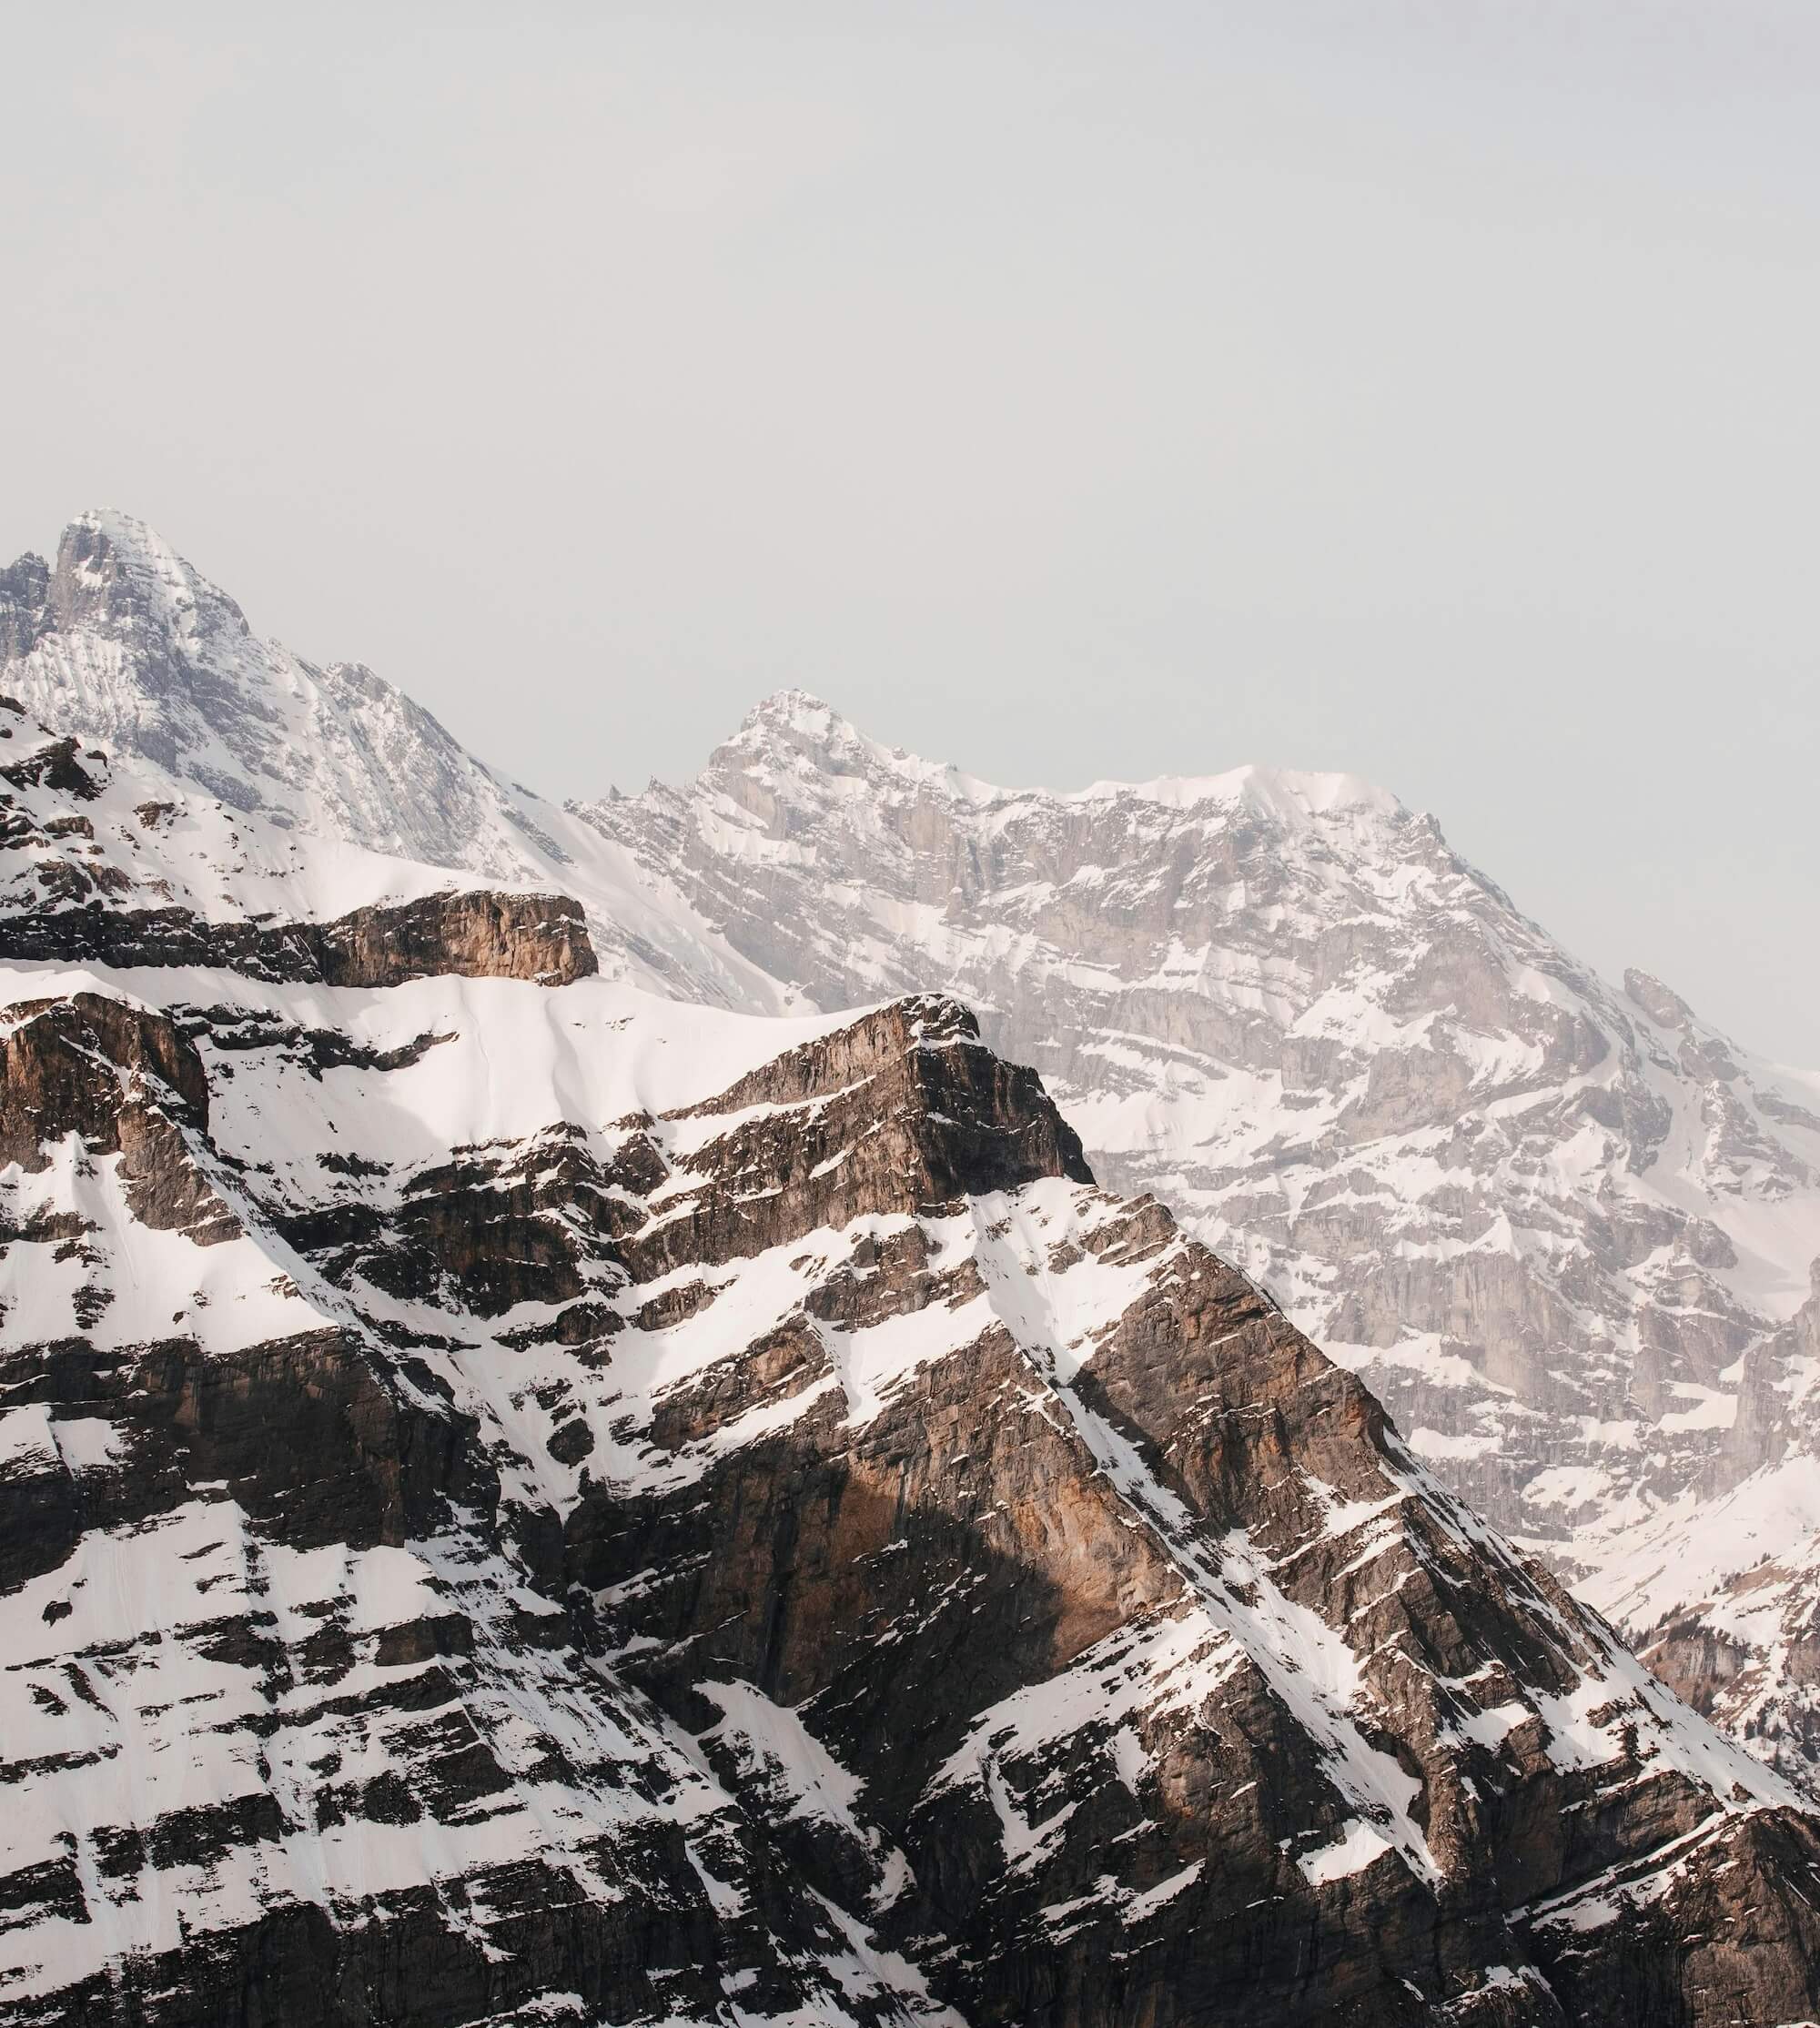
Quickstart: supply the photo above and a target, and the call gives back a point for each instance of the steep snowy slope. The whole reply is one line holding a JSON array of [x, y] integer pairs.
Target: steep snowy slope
[[530, 1502]]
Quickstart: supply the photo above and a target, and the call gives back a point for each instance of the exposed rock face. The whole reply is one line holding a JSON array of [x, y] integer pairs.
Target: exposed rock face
[[523, 1501], [474, 936]]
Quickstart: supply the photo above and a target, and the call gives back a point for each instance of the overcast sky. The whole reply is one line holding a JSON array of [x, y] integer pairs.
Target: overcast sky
[[1426, 390]]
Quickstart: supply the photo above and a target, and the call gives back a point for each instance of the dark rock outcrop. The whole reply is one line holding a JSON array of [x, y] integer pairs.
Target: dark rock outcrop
[[471, 933]]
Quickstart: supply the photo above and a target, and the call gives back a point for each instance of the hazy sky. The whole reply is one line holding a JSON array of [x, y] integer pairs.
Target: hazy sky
[[1428, 390]]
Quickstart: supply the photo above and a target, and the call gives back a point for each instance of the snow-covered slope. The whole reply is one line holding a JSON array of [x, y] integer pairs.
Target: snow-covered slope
[[85, 831], [124, 642], [536, 1501]]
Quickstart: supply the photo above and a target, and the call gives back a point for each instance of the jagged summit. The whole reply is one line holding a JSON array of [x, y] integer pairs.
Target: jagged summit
[[793, 726], [104, 547], [795, 708], [796, 719], [125, 642], [117, 559]]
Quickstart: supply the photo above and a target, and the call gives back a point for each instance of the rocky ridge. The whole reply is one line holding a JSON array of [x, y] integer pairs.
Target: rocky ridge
[[527, 1500]]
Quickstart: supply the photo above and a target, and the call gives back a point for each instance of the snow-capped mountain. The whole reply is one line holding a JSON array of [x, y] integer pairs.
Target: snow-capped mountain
[[1565, 1231], [522, 1499], [122, 641]]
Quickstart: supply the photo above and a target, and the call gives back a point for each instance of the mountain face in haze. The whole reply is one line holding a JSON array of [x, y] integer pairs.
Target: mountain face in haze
[[524, 1500], [1565, 1232]]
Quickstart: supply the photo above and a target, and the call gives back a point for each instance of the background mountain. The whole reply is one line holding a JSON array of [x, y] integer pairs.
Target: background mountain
[[1565, 1232]]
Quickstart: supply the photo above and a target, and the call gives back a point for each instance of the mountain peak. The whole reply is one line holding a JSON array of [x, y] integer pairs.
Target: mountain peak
[[117, 570], [125, 643], [799, 720], [792, 707], [813, 740], [122, 531], [825, 741]]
